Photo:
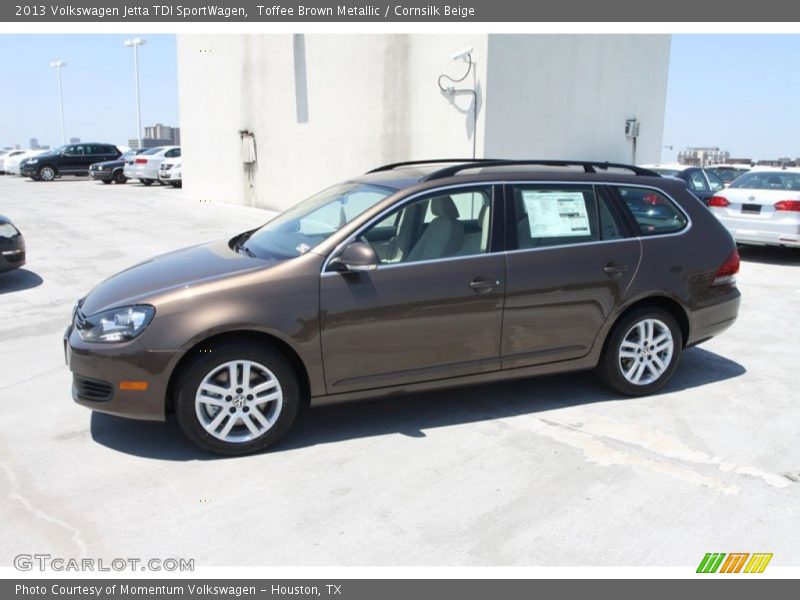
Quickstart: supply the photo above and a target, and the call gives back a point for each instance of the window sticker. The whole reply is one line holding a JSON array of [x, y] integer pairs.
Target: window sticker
[[556, 214]]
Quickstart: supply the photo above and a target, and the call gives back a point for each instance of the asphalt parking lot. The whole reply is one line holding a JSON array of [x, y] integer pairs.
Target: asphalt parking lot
[[552, 471]]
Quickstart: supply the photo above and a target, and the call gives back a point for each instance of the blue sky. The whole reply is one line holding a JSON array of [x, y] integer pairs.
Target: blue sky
[[99, 96], [734, 91], [738, 92]]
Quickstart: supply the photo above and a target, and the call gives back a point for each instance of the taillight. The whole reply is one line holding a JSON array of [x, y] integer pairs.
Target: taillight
[[718, 201], [141, 161], [726, 274], [788, 205]]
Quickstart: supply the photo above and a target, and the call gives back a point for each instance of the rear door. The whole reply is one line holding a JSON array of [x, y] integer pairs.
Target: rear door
[[571, 259]]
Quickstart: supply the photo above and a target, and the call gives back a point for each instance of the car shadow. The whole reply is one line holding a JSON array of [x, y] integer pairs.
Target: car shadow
[[18, 280], [411, 414], [771, 255]]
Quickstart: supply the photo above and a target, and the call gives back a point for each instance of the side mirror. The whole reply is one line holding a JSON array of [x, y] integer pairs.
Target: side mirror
[[357, 256]]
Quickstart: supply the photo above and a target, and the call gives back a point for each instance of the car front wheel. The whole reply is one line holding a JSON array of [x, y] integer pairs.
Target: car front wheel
[[642, 352], [237, 398], [46, 173], [119, 177], [147, 181]]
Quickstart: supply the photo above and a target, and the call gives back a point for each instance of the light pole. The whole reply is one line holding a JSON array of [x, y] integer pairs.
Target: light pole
[[135, 43], [58, 65]]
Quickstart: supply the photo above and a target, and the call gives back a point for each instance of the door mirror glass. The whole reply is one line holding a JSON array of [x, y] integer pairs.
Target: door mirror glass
[[357, 256]]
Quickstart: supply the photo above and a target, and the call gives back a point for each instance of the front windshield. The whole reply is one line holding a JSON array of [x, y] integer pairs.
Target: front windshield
[[311, 222], [769, 180]]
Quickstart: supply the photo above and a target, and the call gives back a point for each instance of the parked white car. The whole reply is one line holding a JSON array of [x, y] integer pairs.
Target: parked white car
[[145, 166], [11, 165], [761, 207], [8, 157], [170, 172]]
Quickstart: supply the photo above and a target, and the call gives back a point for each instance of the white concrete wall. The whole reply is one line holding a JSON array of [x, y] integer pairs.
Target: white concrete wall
[[371, 99], [358, 101], [568, 96]]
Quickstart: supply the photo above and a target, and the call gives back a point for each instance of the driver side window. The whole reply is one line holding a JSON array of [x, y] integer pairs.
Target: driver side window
[[443, 225]]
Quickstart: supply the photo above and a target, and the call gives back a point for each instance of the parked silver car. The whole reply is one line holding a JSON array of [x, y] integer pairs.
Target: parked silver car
[[170, 172], [145, 166], [761, 208]]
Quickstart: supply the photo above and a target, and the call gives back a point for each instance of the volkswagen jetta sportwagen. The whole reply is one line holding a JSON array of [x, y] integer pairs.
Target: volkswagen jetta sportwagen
[[414, 276]]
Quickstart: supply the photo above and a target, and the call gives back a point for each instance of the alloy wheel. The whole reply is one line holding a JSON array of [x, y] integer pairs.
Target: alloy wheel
[[646, 351], [238, 401], [47, 174]]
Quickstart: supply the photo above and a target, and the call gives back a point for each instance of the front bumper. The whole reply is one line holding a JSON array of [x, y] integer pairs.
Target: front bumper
[[101, 175], [99, 369], [28, 170], [12, 254]]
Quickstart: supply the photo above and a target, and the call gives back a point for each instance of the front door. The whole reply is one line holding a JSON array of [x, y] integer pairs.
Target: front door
[[569, 266], [433, 306]]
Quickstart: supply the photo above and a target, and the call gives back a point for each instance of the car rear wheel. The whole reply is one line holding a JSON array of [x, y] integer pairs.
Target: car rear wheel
[[147, 181], [642, 352], [239, 398], [119, 177], [46, 173]]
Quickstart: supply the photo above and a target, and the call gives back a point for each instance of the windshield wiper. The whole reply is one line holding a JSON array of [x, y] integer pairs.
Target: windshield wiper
[[239, 246]]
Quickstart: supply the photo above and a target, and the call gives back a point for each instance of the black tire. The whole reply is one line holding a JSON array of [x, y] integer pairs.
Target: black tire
[[119, 177], [203, 364], [175, 184], [106, 181], [46, 173], [611, 365], [147, 181]]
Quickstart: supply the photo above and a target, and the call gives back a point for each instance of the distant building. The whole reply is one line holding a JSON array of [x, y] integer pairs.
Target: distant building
[[33, 144], [164, 132], [778, 162], [703, 156], [74, 140], [150, 143], [158, 135]]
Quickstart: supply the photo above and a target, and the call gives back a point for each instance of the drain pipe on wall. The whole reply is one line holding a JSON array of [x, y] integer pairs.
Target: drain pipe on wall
[[450, 91], [249, 162]]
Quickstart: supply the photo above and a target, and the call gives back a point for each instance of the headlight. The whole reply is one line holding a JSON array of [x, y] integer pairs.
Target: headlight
[[7, 230], [32, 161], [115, 325]]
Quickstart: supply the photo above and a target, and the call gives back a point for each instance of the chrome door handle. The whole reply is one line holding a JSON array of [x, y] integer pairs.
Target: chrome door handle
[[483, 285], [615, 269]]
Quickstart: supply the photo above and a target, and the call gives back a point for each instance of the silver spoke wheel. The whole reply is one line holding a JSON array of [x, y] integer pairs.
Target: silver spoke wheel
[[238, 401], [47, 174], [646, 351]]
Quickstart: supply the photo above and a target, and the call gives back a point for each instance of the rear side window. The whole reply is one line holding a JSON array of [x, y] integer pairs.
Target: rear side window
[[549, 215], [652, 210]]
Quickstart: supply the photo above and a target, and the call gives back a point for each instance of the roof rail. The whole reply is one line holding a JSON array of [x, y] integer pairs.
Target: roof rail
[[588, 166], [434, 161]]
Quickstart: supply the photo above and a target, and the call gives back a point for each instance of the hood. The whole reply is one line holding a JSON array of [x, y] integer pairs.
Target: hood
[[185, 269]]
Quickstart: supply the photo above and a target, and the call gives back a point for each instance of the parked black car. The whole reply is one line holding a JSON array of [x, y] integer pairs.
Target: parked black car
[[72, 159], [113, 170], [12, 246], [703, 183]]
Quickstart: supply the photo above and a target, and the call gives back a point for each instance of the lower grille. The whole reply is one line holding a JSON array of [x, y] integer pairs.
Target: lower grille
[[92, 390]]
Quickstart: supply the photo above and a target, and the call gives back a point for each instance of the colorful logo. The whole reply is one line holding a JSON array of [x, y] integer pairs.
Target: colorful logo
[[719, 562]]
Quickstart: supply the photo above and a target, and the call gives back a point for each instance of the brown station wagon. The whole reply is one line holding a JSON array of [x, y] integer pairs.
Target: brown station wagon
[[415, 276]]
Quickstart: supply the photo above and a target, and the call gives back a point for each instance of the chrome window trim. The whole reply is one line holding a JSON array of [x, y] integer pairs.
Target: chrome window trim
[[339, 247]]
